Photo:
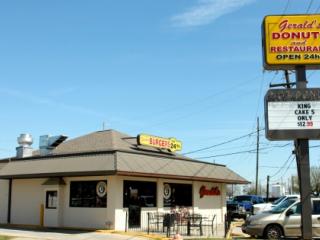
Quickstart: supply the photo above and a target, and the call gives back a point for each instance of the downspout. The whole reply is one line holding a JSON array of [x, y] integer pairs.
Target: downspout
[[9, 201]]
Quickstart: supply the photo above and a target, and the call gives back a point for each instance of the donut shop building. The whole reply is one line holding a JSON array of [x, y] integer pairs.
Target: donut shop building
[[106, 179]]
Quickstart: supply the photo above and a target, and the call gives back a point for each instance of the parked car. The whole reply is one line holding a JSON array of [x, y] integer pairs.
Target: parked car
[[284, 220], [242, 205], [261, 207]]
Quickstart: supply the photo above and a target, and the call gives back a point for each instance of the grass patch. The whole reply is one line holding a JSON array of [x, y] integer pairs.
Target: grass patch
[[5, 238]]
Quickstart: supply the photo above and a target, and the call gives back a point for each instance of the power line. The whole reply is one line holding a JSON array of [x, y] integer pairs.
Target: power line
[[309, 6], [282, 166], [254, 150], [219, 144], [286, 169], [286, 7], [318, 8], [228, 154], [265, 166]]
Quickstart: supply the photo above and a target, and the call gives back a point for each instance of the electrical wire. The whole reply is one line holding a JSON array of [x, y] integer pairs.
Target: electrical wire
[[309, 6], [282, 167], [219, 144], [254, 150], [292, 160], [286, 7]]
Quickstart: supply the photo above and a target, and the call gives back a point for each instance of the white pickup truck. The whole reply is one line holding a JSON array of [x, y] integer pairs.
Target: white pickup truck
[[262, 207]]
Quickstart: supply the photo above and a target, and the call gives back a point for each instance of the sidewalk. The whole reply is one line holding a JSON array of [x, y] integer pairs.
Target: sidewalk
[[235, 231]]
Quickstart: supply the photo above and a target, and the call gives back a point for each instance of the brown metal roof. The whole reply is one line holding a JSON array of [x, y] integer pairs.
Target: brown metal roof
[[112, 152]]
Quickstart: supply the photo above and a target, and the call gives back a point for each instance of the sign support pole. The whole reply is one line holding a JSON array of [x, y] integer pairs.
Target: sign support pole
[[302, 157]]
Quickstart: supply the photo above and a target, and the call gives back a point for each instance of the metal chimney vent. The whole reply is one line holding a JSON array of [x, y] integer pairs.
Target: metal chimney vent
[[47, 143], [25, 141]]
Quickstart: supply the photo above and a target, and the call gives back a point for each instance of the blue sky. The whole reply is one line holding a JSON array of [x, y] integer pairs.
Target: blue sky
[[188, 69]]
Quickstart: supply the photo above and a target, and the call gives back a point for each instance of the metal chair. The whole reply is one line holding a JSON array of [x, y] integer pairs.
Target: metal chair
[[209, 222], [194, 221]]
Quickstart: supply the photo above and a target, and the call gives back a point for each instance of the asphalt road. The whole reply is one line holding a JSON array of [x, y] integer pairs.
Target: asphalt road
[[23, 234]]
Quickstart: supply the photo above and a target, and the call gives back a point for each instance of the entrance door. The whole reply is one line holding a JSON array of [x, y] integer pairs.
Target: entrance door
[[51, 210], [134, 216]]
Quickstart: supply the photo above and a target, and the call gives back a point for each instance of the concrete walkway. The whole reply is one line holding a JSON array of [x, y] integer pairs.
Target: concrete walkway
[[49, 234]]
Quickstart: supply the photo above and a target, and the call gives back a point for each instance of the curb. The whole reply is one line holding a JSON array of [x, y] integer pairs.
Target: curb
[[136, 234]]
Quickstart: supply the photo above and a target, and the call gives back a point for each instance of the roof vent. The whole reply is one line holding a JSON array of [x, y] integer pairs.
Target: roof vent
[[47, 143], [25, 141]]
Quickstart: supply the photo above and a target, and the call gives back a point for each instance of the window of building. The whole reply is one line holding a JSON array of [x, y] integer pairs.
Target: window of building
[[139, 193], [88, 194], [51, 199], [176, 194]]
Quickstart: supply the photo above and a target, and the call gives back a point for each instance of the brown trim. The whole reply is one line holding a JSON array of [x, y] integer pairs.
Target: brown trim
[[62, 174], [59, 155], [138, 152], [177, 177], [171, 157]]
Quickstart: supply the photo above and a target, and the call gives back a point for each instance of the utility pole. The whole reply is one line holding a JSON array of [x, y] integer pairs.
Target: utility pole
[[257, 157], [267, 193], [302, 157]]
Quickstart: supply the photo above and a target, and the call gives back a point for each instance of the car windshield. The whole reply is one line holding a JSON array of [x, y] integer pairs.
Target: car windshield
[[276, 202], [242, 198], [283, 206]]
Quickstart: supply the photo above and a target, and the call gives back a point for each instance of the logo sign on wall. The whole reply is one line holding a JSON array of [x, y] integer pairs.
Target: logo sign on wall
[[166, 191], [292, 114], [170, 144], [101, 189], [214, 191], [291, 40]]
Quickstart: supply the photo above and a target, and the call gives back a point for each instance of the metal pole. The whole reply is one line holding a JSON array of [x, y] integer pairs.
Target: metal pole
[[302, 157], [257, 157], [267, 194]]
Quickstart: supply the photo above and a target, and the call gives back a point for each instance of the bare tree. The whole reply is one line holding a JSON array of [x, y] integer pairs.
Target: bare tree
[[315, 179]]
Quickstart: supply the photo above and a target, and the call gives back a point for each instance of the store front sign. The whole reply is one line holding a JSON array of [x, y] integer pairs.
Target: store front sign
[[291, 40], [292, 114], [214, 191], [170, 144]]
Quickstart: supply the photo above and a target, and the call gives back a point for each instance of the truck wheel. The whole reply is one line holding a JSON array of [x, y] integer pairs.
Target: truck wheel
[[273, 232]]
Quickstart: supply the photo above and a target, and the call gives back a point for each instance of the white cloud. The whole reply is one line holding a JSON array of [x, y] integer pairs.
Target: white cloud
[[207, 11]]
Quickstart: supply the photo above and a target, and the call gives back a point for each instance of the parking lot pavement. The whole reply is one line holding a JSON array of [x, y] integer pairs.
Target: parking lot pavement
[[50, 234]]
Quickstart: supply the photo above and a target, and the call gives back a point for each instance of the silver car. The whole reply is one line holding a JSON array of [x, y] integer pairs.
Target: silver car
[[282, 221]]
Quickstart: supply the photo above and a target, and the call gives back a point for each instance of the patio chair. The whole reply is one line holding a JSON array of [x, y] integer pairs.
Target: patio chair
[[168, 222], [209, 222], [155, 220], [194, 221], [181, 222]]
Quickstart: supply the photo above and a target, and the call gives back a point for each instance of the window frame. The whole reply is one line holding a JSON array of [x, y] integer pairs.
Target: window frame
[[177, 204], [126, 203], [96, 195], [48, 192]]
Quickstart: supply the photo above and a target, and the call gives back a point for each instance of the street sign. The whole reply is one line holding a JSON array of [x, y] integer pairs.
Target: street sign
[[291, 40], [292, 114]]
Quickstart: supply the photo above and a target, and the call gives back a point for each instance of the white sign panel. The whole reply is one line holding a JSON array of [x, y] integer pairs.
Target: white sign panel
[[294, 115]]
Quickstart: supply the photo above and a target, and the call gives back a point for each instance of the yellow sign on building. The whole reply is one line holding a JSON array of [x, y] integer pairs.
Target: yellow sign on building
[[291, 40], [170, 144]]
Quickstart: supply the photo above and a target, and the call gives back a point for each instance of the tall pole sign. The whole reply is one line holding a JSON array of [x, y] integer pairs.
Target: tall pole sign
[[292, 42]]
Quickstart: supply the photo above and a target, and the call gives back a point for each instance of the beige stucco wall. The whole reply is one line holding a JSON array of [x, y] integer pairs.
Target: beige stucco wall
[[4, 187], [210, 205], [207, 206], [83, 217], [27, 196]]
